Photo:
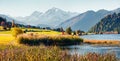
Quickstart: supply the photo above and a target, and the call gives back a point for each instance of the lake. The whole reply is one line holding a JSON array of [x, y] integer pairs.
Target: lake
[[102, 37], [87, 48]]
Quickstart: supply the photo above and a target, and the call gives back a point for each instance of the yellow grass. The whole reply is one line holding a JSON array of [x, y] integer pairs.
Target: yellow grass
[[102, 41], [41, 31], [6, 38], [47, 33], [30, 29], [5, 32]]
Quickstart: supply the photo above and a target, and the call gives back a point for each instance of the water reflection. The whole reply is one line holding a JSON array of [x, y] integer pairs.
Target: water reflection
[[87, 48]]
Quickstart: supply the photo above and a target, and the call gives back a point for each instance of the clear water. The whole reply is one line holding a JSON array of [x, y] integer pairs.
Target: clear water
[[102, 37], [87, 48]]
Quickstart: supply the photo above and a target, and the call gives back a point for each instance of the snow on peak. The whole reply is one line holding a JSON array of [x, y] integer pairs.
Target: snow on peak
[[52, 17], [36, 13]]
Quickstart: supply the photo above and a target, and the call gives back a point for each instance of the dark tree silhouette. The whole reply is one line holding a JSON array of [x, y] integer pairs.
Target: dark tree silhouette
[[69, 30]]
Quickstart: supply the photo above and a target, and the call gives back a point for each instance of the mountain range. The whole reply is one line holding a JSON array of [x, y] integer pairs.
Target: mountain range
[[51, 17], [56, 18], [85, 21]]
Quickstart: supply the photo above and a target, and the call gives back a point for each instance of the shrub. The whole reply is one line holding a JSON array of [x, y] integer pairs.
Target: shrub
[[16, 31], [37, 39]]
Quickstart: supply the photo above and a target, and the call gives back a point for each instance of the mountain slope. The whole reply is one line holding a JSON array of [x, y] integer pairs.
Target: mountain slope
[[108, 23], [52, 17], [86, 20]]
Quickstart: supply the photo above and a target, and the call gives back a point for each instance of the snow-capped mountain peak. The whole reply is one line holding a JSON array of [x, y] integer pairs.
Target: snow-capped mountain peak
[[52, 17]]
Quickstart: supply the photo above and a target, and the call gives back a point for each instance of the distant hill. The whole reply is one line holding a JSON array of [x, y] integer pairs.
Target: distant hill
[[108, 23], [10, 19], [86, 20]]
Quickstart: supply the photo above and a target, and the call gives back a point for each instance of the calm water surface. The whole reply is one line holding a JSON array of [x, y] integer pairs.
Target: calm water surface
[[102, 37], [87, 48]]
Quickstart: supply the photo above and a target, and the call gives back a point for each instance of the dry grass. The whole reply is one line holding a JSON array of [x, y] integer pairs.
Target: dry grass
[[102, 41], [48, 53], [36, 39]]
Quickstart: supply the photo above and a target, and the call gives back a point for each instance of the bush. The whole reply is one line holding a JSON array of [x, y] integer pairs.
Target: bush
[[37, 39], [16, 31]]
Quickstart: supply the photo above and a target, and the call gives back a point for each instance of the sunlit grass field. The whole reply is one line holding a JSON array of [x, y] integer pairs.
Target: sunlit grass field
[[42, 31], [5, 32], [7, 38]]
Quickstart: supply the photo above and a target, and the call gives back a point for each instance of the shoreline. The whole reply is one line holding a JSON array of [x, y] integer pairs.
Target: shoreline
[[101, 41]]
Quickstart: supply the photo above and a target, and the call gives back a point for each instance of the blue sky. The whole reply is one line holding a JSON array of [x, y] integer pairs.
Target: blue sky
[[26, 7]]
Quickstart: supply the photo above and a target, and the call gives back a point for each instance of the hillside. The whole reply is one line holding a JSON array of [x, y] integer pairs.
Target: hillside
[[108, 23], [86, 20]]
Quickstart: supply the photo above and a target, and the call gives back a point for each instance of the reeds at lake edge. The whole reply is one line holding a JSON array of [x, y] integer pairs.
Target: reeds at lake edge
[[37, 39], [49, 53]]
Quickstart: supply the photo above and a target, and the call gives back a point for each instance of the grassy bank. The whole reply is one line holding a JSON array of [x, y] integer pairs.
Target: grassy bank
[[116, 42], [37, 39], [48, 53]]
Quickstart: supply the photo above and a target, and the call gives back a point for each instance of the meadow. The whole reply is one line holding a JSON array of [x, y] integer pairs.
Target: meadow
[[6, 37], [19, 48]]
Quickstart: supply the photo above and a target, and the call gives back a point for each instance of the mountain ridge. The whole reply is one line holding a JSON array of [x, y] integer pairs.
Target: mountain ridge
[[86, 20], [51, 17], [9, 19]]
